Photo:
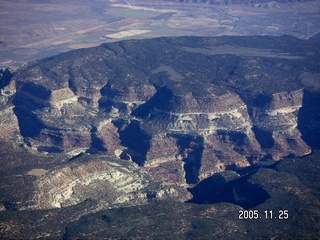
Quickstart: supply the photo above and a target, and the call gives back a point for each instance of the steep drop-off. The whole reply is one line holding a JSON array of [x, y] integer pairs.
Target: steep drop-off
[[181, 108]]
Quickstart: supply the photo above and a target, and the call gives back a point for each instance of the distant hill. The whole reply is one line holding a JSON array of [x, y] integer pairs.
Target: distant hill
[[260, 3]]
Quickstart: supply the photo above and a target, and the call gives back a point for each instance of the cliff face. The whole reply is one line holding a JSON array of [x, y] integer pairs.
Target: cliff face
[[9, 122], [108, 182], [276, 125], [184, 108]]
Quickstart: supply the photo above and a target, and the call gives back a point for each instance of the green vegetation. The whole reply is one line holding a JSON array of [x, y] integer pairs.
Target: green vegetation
[[289, 188]]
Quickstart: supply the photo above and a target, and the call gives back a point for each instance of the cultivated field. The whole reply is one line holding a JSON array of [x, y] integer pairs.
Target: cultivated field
[[30, 30]]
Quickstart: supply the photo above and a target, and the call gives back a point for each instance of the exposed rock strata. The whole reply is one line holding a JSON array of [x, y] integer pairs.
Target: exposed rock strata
[[109, 182], [276, 123], [8, 120], [182, 113]]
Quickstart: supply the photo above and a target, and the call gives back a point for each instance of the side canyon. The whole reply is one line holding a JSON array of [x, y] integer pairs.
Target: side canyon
[[130, 122]]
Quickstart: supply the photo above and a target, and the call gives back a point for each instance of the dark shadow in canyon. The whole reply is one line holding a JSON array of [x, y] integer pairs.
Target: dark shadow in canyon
[[263, 137], [136, 140], [161, 98], [239, 191], [5, 78], [29, 124], [262, 100], [50, 149], [97, 145], [309, 119], [191, 149]]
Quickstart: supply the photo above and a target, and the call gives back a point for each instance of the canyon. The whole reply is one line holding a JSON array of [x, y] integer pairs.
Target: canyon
[[138, 121]]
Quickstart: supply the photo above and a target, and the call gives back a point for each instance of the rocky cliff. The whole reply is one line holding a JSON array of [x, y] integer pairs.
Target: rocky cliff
[[180, 108], [109, 182]]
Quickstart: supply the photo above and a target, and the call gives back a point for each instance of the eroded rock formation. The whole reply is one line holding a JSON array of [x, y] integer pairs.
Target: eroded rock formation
[[181, 108], [112, 183]]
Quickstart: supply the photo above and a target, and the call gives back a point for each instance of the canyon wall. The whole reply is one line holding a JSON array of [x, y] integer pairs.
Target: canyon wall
[[180, 108]]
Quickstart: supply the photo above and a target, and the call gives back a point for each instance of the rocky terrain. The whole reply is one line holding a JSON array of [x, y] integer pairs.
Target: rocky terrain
[[138, 121], [296, 179]]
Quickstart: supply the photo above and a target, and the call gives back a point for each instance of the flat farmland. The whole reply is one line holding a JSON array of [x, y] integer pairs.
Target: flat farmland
[[31, 30]]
